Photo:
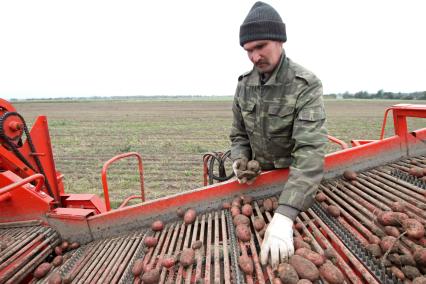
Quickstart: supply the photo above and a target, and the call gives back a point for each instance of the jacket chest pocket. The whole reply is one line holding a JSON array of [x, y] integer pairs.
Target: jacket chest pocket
[[279, 121], [248, 111]]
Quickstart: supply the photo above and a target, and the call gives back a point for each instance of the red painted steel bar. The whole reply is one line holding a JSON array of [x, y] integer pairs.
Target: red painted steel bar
[[105, 180], [29, 179], [338, 141]]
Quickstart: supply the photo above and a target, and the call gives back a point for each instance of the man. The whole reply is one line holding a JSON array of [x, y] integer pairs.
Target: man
[[279, 121]]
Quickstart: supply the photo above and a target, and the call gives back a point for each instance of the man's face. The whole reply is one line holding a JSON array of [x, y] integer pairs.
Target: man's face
[[265, 54]]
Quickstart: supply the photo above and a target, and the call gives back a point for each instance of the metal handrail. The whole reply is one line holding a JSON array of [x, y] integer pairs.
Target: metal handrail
[[105, 180], [29, 179], [338, 141]]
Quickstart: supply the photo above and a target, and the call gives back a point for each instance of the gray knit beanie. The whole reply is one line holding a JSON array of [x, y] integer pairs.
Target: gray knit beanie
[[262, 23]]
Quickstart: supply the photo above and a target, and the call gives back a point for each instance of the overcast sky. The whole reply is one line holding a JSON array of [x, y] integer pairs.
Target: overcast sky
[[104, 48]]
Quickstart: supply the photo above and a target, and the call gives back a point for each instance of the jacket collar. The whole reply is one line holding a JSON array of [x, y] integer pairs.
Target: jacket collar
[[276, 77]]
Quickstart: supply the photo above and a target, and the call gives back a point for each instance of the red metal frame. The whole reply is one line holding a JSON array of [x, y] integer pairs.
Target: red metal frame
[[105, 179]]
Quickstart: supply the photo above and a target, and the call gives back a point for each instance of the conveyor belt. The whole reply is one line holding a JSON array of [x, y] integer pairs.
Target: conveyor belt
[[346, 236], [24, 245]]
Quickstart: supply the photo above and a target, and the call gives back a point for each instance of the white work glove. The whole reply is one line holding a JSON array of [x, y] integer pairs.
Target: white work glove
[[278, 241]]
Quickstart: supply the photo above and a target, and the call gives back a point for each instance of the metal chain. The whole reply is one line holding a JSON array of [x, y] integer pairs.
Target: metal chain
[[408, 178], [361, 253], [235, 252], [18, 153]]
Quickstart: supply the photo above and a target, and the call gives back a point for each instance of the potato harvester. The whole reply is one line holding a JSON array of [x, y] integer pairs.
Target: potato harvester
[[37, 215]]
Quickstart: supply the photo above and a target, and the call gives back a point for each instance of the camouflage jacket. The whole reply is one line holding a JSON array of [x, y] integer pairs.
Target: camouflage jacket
[[282, 124]]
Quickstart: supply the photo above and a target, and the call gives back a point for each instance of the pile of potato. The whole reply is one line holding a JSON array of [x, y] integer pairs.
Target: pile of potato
[[407, 263], [58, 257], [305, 267], [144, 272], [418, 172]]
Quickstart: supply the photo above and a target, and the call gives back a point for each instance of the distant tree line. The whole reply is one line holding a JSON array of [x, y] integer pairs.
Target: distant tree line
[[382, 95], [346, 95]]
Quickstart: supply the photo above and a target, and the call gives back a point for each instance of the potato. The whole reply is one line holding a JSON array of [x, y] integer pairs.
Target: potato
[[138, 267], [419, 280], [389, 218], [349, 175], [268, 205], [236, 202], [275, 205], [151, 277], [180, 212], [314, 257], [411, 272], [407, 259], [189, 216], [58, 260], [65, 245], [374, 249], [414, 228], [42, 270], [330, 254], [398, 273], [253, 165], [395, 259], [74, 245], [247, 210], [58, 250], [168, 262], [235, 211], [304, 281], [299, 243], [287, 273], [298, 226], [150, 241], [258, 224], [246, 264], [241, 219], [226, 205], [243, 232], [55, 278], [398, 206], [333, 210], [246, 199], [197, 244], [416, 171], [420, 256], [320, 197], [373, 239], [305, 268], [187, 257], [389, 243], [157, 226], [331, 273], [263, 231], [392, 231]]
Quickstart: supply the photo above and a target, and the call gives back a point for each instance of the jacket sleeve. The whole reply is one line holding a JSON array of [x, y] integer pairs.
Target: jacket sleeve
[[310, 137], [240, 143]]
